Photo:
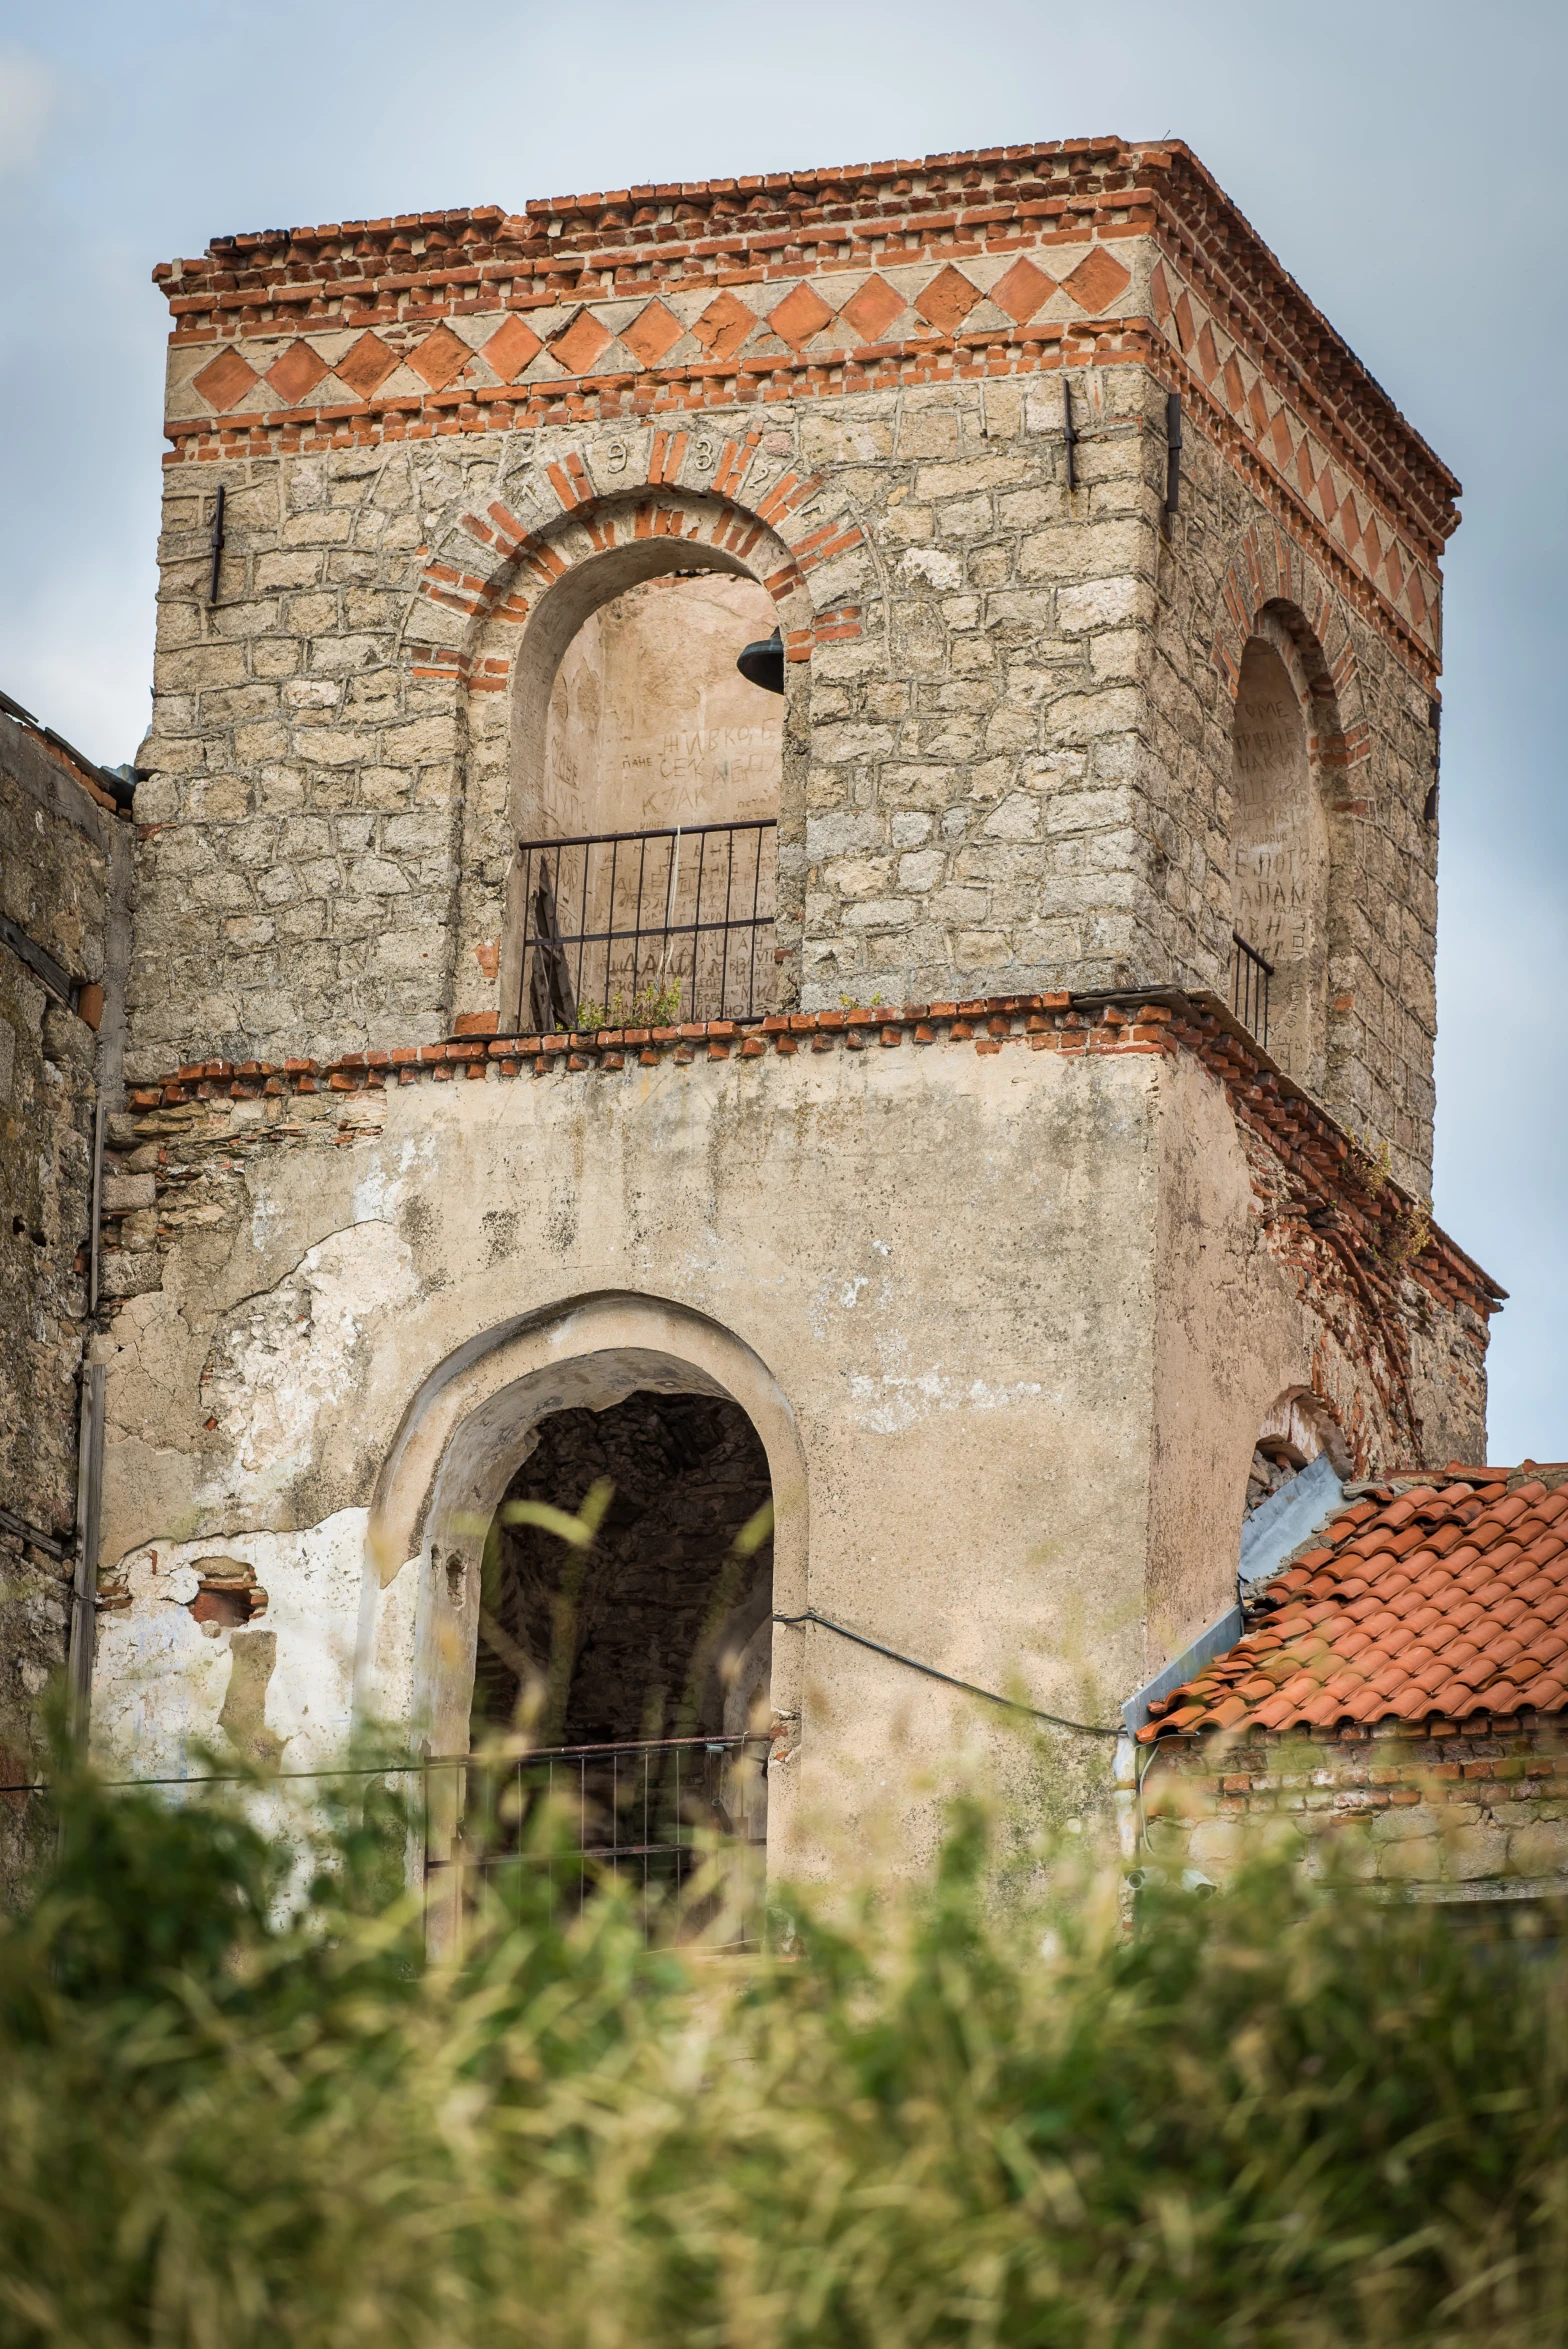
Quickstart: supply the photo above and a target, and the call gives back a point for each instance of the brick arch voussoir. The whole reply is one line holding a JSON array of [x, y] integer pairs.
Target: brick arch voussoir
[[1269, 575], [491, 568]]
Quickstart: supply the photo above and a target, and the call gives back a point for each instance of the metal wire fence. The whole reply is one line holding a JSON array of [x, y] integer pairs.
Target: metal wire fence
[[680, 1821]]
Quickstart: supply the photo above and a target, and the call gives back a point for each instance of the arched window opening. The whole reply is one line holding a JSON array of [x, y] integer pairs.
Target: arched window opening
[[1296, 1430], [1279, 870], [1294, 1483], [640, 1669], [647, 875]]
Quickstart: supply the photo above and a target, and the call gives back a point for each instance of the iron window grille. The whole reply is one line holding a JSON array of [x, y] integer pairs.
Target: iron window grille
[[1250, 973], [626, 929]]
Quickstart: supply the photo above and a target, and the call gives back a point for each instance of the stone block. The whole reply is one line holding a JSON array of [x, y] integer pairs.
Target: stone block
[[857, 877], [122, 1275], [124, 1192], [879, 913], [1475, 1852], [921, 870], [1104, 603], [1017, 818], [1081, 717]]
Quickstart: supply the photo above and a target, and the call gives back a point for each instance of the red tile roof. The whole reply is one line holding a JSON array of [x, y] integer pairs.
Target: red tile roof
[[1444, 1597]]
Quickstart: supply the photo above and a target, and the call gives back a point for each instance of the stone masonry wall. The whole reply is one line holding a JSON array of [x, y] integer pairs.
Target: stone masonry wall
[[1452, 1816], [1007, 747], [64, 873], [1376, 766]]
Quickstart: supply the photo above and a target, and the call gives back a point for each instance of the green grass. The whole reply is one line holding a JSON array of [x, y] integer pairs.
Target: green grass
[[237, 2109]]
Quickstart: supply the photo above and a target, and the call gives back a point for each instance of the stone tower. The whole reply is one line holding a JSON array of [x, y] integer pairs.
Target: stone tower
[[997, 1114]]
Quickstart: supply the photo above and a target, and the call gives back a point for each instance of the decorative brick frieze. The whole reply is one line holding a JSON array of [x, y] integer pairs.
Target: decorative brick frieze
[[607, 307]]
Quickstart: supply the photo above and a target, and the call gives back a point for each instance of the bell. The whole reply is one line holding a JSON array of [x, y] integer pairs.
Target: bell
[[762, 663]]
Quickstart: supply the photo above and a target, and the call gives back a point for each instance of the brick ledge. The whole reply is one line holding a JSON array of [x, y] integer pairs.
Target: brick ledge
[[1369, 1216]]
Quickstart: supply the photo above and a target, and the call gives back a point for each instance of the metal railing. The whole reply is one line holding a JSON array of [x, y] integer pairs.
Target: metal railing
[[641, 929], [1250, 973], [682, 1820]]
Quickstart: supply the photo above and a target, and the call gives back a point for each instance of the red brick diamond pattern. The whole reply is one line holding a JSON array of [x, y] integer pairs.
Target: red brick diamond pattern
[[947, 300], [1022, 290], [579, 344], [651, 333], [295, 376], [225, 379], [873, 309], [1098, 281], [510, 348], [724, 326], [366, 367], [800, 315], [439, 357]]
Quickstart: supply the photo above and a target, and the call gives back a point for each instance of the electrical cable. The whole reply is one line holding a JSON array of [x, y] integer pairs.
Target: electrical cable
[[913, 1663]]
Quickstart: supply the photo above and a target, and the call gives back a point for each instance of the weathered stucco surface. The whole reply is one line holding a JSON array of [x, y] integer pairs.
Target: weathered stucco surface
[[1025, 1295]]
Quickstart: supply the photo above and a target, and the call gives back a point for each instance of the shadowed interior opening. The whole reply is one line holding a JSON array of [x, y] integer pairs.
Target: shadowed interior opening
[[1280, 860], [657, 1631], [644, 888]]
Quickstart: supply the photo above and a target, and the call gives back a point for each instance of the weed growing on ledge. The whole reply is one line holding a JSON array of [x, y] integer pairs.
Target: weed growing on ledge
[[654, 1005]]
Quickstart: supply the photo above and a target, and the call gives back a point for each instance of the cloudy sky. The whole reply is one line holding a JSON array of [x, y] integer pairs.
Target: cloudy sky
[[1407, 162]]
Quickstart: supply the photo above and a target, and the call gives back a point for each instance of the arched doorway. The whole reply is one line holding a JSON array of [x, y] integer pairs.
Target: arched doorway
[[634, 1668], [696, 1426], [1279, 863], [647, 782]]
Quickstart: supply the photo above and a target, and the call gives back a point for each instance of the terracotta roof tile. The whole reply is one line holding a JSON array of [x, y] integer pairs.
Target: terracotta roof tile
[[1439, 1597]]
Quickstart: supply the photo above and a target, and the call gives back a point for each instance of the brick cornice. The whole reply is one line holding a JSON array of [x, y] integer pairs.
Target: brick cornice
[[1364, 1219], [1231, 261], [799, 224]]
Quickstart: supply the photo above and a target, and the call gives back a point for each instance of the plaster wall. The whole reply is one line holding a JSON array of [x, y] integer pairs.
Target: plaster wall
[[650, 725], [1005, 1322]]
